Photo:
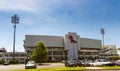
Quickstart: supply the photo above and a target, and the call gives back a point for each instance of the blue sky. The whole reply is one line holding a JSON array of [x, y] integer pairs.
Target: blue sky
[[57, 17]]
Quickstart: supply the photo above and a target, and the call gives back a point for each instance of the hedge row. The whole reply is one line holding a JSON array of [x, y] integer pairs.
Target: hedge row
[[2, 61]]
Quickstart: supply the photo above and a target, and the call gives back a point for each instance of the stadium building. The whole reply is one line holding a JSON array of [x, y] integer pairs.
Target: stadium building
[[70, 46]]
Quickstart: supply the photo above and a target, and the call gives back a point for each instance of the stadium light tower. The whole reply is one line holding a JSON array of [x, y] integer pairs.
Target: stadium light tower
[[103, 32], [14, 20]]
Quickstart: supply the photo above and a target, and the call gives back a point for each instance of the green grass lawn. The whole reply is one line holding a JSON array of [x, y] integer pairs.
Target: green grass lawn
[[52, 69], [111, 67]]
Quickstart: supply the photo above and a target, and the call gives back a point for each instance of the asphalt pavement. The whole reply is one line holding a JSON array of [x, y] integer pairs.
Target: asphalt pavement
[[22, 66]]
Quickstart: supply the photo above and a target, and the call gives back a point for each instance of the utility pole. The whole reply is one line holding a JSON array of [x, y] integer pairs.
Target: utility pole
[[14, 20], [103, 32]]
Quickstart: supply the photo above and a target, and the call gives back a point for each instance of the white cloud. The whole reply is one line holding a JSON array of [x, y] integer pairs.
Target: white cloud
[[39, 6], [28, 5], [13, 5]]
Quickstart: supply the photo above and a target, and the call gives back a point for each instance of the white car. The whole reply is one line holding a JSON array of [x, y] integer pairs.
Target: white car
[[30, 65], [100, 62], [71, 63], [106, 62], [96, 63]]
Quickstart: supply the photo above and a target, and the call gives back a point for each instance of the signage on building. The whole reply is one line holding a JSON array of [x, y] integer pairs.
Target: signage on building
[[71, 39]]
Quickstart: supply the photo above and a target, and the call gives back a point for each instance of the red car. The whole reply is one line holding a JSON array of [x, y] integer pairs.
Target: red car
[[117, 62]]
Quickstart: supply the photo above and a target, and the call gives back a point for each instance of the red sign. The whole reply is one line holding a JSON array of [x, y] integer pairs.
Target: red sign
[[71, 39]]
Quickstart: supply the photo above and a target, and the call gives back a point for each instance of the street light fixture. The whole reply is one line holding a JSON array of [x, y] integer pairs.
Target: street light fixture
[[103, 32], [14, 20]]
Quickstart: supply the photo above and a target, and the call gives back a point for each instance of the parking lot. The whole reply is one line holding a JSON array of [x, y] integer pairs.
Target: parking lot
[[22, 66], [45, 65], [12, 67]]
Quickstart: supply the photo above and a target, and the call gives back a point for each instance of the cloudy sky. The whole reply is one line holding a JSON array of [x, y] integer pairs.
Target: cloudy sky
[[57, 17]]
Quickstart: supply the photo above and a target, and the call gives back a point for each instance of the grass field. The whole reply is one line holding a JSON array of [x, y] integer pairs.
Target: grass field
[[111, 67], [52, 69]]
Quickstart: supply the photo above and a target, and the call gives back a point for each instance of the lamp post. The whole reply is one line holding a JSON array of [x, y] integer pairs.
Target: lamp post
[[103, 32], [14, 20]]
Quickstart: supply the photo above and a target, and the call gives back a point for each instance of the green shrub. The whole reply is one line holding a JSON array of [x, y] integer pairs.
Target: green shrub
[[2, 61], [14, 61]]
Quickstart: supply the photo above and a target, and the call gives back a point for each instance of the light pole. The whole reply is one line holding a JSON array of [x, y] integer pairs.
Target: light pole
[[103, 32], [14, 20]]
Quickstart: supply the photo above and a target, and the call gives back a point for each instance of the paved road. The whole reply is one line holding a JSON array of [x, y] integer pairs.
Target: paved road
[[12, 67], [22, 66], [52, 65]]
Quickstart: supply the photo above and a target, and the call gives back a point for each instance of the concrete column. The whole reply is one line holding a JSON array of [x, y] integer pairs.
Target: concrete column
[[63, 55], [52, 56]]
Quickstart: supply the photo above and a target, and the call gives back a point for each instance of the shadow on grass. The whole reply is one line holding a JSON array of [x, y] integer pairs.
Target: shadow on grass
[[43, 64]]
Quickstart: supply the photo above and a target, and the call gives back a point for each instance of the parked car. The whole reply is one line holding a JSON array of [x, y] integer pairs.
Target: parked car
[[97, 62], [71, 63], [63, 61], [30, 65], [85, 62], [100, 62], [6, 63], [117, 62], [79, 63], [106, 62]]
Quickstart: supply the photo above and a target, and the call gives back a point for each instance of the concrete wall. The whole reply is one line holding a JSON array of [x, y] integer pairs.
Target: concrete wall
[[90, 43], [51, 41], [59, 41]]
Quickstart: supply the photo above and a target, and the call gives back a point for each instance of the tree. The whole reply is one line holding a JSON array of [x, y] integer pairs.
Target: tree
[[114, 58], [40, 53], [2, 61], [118, 49]]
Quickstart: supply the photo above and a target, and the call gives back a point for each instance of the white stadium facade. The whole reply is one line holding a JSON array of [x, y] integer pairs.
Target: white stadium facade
[[70, 46]]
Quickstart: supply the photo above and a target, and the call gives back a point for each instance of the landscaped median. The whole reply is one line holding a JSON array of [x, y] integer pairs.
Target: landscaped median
[[111, 67], [103, 68]]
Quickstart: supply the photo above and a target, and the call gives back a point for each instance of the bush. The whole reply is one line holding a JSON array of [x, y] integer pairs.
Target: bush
[[14, 61], [114, 58], [2, 61]]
